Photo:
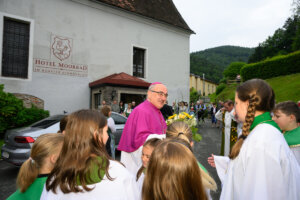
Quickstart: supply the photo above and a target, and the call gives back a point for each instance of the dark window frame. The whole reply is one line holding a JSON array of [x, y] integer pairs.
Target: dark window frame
[[139, 62], [15, 57]]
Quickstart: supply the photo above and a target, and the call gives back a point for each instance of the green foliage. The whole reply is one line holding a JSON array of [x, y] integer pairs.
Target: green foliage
[[212, 62], [276, 66], [233, 70], [13, 114], [194, 95], [196, 136], [285, 88], [284, 40], [1, 143], [220, 88]]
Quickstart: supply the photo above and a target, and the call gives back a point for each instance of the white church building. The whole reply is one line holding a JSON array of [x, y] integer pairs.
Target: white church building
[[65, 55]]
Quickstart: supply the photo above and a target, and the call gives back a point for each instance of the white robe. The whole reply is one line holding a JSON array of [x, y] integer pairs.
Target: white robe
[[228, 117], [133, 160], [296, 151], [264, 169], [140, 182], [122, 187]]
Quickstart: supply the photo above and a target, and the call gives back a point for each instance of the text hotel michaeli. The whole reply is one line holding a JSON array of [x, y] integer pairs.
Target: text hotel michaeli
[[60, 68]]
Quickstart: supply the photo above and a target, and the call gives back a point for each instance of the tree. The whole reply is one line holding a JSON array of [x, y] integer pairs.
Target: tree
[[233, 70], [194, 95]]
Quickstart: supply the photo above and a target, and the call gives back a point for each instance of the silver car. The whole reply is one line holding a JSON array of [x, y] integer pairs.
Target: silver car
[[18, 142]]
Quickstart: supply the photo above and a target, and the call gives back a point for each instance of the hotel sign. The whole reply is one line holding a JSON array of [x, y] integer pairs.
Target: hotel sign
[[60, 62]]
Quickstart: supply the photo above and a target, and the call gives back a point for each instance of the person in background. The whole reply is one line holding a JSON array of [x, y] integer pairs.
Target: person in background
[[148, 148], [287, 116], [145, 122], [229, 130], [115, 107], [260, 165], [128, 110], [34, 171], [110, 144], [213, 112], [175, 108], [62, 124], [192, 109], [166, 111], [173, 173], [182, 107], [133, 105], [121, 106], [84, 170], [102, 104]]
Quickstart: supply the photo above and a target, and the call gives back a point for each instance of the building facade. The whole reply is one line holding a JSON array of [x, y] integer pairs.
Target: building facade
[[202, 85], [52, 50]]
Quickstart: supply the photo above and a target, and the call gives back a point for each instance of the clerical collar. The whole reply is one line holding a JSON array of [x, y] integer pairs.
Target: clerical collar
[[263, 118], [292, 137]]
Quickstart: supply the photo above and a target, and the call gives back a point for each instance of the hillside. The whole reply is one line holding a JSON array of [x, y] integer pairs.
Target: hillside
[[285, 88], [212, 62]]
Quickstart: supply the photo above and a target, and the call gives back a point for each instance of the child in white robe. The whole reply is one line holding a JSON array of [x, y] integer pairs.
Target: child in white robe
[[84, 170], [287, 116], [260, 165], [148, 148]]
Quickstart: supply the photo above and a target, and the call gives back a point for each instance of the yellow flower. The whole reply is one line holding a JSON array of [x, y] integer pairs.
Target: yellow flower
[[186, 114], [181, 116], [173, 116]]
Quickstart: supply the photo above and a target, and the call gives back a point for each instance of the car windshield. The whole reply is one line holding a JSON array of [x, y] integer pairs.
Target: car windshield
[[45, 123]]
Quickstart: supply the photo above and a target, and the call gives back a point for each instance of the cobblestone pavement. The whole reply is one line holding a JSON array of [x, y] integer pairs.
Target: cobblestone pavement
[[210, 144]]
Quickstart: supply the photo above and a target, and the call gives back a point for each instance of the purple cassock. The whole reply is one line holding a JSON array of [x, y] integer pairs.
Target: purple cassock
[[144, 120]]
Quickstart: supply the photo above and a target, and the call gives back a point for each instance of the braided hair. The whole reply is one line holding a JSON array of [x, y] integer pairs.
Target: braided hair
[[261, 97]]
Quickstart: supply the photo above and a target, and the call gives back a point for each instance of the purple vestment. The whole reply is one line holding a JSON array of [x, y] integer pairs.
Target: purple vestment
[[144, 120]]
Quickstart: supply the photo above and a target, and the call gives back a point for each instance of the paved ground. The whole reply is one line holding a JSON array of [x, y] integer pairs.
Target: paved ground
[[8, 176], [210, 143]]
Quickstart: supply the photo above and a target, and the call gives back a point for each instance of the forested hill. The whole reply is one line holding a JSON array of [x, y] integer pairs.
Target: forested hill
[[212, 62]]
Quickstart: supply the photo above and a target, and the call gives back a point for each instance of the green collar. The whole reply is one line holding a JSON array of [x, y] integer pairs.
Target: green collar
[[264, 118], [94, 174], [293, 137]]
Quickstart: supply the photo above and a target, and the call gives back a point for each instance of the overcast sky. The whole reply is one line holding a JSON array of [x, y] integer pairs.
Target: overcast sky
[[243, 23]]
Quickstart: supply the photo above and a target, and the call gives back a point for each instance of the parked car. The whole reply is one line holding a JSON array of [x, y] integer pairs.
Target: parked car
[[18, 142]]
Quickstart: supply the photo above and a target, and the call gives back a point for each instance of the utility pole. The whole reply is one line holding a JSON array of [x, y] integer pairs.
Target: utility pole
[[203, 85]]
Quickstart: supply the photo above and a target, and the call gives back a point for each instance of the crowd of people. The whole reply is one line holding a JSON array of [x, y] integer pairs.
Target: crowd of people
[[261, 161]]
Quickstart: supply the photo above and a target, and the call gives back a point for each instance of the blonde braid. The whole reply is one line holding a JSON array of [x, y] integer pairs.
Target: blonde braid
[[253, 101]]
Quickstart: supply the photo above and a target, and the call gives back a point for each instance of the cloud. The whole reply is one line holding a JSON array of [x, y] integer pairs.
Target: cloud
[[232, 22]]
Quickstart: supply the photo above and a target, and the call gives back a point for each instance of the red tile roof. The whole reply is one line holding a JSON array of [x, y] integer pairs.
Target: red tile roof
[[161, 10], [121, 79]]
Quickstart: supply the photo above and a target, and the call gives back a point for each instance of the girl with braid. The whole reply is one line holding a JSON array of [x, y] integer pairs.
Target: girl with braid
[[260, 165]]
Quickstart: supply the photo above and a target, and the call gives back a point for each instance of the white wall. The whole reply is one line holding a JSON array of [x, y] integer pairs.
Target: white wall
[[103, 39]]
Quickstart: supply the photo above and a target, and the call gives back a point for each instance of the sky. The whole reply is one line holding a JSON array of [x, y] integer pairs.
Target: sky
[[244, 23]]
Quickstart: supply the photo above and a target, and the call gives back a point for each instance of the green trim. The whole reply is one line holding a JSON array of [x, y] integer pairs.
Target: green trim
[[94, 174], [264, 118], [202, 167], [292, 137]]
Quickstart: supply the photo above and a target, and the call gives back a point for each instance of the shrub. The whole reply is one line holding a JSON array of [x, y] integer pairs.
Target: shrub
[[276, 66], [233, 70], [13, 114], [220, 88], [194, 95]]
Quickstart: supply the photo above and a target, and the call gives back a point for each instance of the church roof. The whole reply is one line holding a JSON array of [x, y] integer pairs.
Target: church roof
[[121, 79], [160, 10]]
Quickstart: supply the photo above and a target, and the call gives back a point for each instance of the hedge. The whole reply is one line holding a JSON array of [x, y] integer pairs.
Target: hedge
[[13, 114], [276, 66]]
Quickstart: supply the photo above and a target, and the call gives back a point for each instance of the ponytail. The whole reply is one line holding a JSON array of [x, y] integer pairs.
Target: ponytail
[[27, 174], [246, 127], [44, 146]]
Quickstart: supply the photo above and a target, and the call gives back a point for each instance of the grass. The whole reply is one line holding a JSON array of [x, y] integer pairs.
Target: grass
[[285, 88]]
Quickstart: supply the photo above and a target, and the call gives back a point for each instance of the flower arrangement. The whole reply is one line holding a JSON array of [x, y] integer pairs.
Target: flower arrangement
[[190, 120]]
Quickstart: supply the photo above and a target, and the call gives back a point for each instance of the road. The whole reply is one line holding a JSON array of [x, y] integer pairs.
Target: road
[[210, 143]]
